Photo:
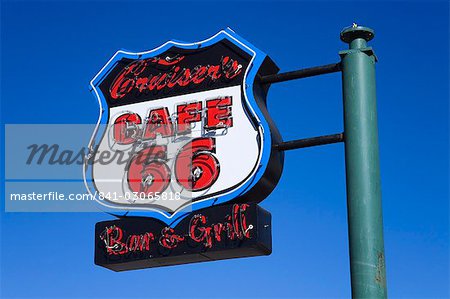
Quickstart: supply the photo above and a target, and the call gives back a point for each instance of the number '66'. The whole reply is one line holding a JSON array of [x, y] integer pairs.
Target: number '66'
[[196, 168]]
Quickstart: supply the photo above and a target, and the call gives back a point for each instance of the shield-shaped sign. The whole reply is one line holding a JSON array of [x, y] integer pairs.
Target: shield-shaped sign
[[183, 126]]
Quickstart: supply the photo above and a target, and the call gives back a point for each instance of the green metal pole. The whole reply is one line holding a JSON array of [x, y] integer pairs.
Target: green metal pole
[[365, 221]]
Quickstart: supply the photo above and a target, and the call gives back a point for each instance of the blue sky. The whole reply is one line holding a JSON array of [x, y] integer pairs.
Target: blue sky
[[51, 50]]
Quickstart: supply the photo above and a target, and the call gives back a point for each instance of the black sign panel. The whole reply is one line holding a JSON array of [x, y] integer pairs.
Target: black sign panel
[[215, 233], [174, 72]]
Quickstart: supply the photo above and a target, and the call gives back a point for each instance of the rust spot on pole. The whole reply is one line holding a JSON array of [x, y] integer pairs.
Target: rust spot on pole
[[380, 278]]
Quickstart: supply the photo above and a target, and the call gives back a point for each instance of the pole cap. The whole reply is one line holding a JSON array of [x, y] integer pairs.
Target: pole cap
[[353, 32]]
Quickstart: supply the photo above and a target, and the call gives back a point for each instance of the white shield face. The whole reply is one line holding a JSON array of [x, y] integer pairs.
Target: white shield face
[[228, 163], [183, 127]]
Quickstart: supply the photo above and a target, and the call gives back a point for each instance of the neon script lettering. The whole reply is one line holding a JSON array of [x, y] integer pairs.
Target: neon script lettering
[[132, 77], [233, 227]]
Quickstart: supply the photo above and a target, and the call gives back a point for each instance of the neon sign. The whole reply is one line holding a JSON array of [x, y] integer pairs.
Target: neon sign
[[192, 123], [237, 230], [192, 119]]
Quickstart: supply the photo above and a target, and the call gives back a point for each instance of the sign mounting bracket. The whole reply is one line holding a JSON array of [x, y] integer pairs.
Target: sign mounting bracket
[[302, 73], [299, 74], [308, 142]]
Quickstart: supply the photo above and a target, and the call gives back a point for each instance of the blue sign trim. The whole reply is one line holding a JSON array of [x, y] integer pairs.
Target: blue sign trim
[[257, 60]]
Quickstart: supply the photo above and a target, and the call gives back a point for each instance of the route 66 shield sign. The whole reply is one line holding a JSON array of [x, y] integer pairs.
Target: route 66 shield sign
[[183, 127]]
